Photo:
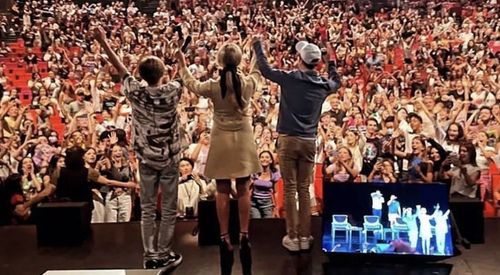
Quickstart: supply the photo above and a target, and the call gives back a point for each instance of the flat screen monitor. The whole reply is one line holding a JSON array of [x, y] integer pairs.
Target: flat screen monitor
[[387, 220]]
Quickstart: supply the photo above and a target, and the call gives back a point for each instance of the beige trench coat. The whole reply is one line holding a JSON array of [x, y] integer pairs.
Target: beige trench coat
[[233, 152]]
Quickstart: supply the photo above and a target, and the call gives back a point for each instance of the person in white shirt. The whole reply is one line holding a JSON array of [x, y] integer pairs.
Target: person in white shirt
[[51, 79], [466, 36], [197, 69], [191, 188], [377, 202], [481, 97], [425, 232], [441, 229]]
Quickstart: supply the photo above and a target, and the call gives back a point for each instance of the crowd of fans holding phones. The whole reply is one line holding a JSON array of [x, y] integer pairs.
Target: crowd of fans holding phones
[[419, 100]]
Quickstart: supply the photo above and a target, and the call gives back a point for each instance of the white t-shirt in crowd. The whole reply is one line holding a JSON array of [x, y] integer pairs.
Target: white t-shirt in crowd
[[480, 100], [201, 161]]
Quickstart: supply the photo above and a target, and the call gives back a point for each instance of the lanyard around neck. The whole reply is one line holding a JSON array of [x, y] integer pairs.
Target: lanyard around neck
[[190, 193]]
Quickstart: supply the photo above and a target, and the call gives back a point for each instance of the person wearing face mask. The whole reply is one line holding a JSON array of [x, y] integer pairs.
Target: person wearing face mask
[[387, 133], [389, 126]]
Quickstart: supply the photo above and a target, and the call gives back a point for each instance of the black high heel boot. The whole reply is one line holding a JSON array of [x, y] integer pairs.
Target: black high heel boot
[[226, 255], [245, 254]]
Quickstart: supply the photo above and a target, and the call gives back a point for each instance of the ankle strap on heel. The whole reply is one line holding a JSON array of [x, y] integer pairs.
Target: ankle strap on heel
[[224, 236]]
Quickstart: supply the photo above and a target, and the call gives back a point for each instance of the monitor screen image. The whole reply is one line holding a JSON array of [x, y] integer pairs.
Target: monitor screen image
[[405, 219]]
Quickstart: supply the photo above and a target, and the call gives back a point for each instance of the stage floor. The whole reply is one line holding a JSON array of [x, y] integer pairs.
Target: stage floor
[[118, 246]]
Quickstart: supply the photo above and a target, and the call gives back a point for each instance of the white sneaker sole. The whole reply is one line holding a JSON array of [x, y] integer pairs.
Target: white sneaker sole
[[291, 248], [306, 244], [170, 267]]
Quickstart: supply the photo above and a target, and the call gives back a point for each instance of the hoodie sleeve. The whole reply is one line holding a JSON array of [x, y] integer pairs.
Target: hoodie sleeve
[[333, 76], [274, 75]]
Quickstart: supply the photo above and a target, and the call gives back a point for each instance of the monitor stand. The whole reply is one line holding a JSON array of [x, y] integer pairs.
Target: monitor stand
[[386, 268]]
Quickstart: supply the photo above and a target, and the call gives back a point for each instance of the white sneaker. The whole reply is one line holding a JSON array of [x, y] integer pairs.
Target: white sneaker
[[290, 244], [306, 242]]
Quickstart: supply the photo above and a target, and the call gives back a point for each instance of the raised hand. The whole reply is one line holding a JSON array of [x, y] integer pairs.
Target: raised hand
[[99, 34], [179, 55], [196, 177], [24, 109], [113, 139]]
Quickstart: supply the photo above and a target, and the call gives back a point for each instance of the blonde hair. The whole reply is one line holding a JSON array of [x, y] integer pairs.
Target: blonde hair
[[229, 54], [229, 57]]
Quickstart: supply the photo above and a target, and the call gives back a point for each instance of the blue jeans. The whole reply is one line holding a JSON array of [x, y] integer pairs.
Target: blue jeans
[[261, 208], [167, 179], [377, 212]]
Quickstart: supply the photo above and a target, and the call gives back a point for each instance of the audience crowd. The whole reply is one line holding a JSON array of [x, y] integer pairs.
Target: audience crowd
[[419, 100]]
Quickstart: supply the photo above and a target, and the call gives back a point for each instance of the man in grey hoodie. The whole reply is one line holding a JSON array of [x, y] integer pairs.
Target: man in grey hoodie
[[303, 92]]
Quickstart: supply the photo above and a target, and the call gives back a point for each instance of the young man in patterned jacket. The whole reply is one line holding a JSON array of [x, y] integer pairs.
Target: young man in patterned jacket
[[157, 145]]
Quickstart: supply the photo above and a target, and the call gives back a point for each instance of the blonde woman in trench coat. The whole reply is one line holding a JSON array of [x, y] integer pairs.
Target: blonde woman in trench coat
[[233, 153]]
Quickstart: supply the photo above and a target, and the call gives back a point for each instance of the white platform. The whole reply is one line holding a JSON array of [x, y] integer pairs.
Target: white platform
[[102, 272]]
